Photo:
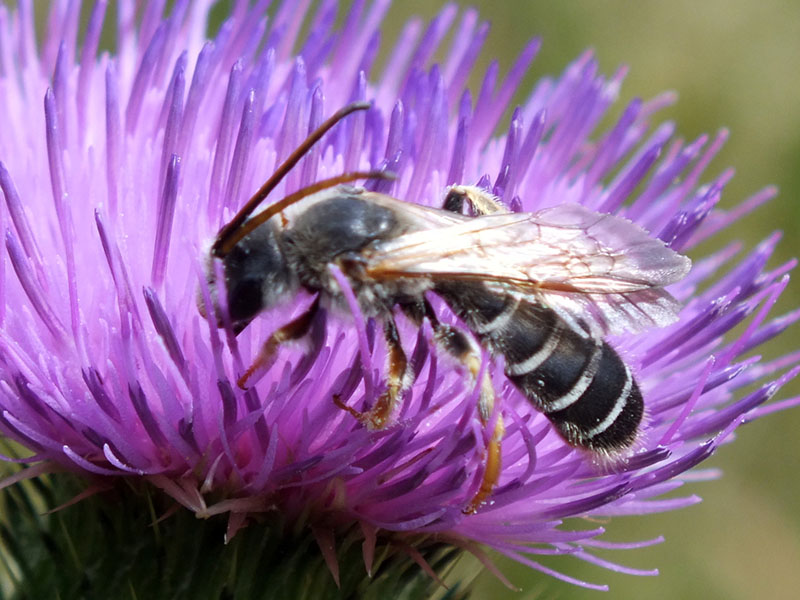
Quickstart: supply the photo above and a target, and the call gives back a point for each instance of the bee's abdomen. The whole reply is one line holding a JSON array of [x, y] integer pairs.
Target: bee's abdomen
[[580, 383]]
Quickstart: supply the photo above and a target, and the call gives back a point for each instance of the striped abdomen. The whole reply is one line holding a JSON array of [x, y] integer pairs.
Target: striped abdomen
[[579, 383]]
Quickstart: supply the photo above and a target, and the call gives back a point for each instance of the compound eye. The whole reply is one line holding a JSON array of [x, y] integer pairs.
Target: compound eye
[[245, 299]]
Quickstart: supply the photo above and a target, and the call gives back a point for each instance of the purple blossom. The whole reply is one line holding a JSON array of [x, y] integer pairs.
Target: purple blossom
[[113, 190]]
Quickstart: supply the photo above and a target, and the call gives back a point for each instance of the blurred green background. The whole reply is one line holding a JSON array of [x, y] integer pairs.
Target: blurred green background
[[735, 64]]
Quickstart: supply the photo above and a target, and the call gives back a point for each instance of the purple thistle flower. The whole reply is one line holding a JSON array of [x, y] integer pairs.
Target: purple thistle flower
[[113, 190]]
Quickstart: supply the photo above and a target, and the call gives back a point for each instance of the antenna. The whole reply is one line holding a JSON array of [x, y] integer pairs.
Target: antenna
[[222, 244], [236, 236]]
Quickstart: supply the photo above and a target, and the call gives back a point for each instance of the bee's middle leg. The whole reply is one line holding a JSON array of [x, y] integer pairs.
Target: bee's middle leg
[[379, 415], [462, 347], [482, 202]]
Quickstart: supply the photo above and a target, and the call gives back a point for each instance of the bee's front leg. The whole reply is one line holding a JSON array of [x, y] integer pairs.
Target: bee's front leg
[[380, 414], [294, 330]]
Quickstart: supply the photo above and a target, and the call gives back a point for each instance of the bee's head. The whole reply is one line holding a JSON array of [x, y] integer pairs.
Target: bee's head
[[256, 271], [256, 277]]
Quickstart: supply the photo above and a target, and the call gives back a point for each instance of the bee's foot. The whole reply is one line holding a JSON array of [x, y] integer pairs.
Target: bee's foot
[[375, 418]]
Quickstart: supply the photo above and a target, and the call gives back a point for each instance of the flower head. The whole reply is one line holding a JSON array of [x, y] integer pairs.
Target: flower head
[[114, 188]]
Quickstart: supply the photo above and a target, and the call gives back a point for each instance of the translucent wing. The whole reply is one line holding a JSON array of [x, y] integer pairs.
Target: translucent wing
[[592, 267]]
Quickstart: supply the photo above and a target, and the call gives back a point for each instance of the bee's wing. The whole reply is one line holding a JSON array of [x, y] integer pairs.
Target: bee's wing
[[418, 216], [592, 267]]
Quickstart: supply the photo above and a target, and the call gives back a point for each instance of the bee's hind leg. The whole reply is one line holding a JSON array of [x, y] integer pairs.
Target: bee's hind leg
[[462, 347], [379, 415], [482, 202], [293, 330]]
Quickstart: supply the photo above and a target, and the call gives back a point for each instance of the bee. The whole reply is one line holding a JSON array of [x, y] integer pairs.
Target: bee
[[543, 290]]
